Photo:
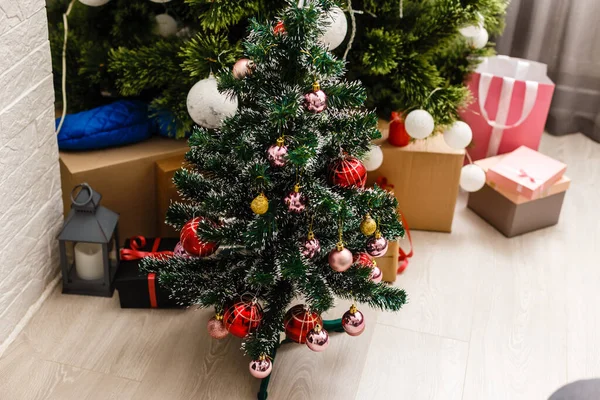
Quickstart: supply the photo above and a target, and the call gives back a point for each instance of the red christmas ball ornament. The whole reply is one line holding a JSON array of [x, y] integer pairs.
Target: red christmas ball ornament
[[298, 321], [295, 200], [279, 29], [277, 153], [216, 328], [242, 318], [192, 244], [315, 101], [397, 132], [348, 172], [364, 260], [353, 321], [376, 274], [340, 258], [377, 245], [260, 368], [317, 339]]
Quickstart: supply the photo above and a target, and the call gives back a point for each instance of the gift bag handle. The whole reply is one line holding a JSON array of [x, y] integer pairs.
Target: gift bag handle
[[531, 91]]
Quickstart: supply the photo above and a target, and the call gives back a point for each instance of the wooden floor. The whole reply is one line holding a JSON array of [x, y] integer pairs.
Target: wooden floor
[[489, 319]]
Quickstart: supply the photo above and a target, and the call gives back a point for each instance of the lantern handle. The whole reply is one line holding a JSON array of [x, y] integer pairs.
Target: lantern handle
[[82, 186]]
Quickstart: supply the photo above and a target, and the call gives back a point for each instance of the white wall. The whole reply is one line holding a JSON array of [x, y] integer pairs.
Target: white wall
[[30, 197]]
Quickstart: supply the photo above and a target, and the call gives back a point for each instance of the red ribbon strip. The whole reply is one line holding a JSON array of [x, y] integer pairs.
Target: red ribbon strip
[[524, 174], [135, 253], [403, 257], [152, 290], [382, 182]]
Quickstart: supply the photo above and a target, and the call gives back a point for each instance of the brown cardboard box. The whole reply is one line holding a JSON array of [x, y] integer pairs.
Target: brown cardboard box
[[512, 214], [425, 175], [389, 262], [166, 192], [126, 179]]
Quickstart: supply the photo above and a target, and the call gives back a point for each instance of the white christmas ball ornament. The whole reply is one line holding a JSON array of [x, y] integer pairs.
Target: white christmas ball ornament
[[337, 27], [166, 25], [419, 124], [160, 1], [459, 135], [94, 3], [207, 106], [373, 159], [472, 178], [480, 39]]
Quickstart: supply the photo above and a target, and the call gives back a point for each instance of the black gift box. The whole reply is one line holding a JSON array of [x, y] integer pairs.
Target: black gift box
[[138, 289]]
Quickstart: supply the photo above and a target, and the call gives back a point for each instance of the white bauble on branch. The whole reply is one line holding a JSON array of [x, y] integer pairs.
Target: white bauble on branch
[[160, 1], [165, 25], [458, 135], [373, 159], [94, 3], [472, 178], [480, 39], [419, 124], [207, 106], [336, 30]]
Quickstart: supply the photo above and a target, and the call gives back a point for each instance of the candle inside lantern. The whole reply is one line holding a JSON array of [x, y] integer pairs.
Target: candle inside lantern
[[88, 261]]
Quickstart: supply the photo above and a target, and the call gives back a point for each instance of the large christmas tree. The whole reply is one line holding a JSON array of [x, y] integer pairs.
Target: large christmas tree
[[277, 214], [409, 54]]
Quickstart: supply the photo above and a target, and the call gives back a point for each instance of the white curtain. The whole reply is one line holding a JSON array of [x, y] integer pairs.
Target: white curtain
[[565, 34]]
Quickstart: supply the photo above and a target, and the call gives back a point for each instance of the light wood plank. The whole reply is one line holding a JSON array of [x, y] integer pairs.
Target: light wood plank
[[96, 334], [24, 376], [402, 364]]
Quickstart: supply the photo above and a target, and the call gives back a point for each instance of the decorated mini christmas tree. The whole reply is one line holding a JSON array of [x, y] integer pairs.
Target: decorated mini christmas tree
[[277, 222]]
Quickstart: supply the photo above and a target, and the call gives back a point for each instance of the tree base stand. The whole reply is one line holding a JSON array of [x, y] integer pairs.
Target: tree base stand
[[332, 325]]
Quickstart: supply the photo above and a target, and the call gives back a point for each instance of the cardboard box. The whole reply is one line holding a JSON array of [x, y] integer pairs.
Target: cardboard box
[[425, 175], [388, 264], [166, 192], [125, 176], [513, 214]]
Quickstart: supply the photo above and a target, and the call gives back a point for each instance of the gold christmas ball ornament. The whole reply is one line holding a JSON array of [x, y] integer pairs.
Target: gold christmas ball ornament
[[368, 226], [260, 204]]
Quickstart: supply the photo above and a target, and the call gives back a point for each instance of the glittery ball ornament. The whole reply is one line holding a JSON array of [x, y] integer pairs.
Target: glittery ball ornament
[[340, 258], [279, 29], [260, 368], [243, 68], [376, 274], [295, 200], [311, 246], [317, 339], [277, 153], [191, 242], [179, 251], [353, 321], [298, 321], [216, 328], [368, 225], [260, 204], [315, 101], [242, 317], [377, 245], [347, 172]]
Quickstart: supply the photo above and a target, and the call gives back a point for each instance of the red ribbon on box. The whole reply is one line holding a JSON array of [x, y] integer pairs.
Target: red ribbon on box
[[403, 257], [135, 253]]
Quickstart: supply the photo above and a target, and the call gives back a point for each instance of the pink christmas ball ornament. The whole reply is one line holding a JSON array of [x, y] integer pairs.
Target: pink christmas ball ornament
[[295, 201], [311, 246], [353, 321], [315, 101], [376, 274], [377, 245], [340, 258], [317, 339], [260, 368], [277, 153], [179, 251]]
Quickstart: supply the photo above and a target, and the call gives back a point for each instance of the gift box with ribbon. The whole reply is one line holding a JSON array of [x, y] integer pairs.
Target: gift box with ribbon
[[511, 212], [526, 172], [139, 289]]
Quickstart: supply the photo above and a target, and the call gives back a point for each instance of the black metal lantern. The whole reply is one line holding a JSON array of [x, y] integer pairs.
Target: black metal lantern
[[89, 241]]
